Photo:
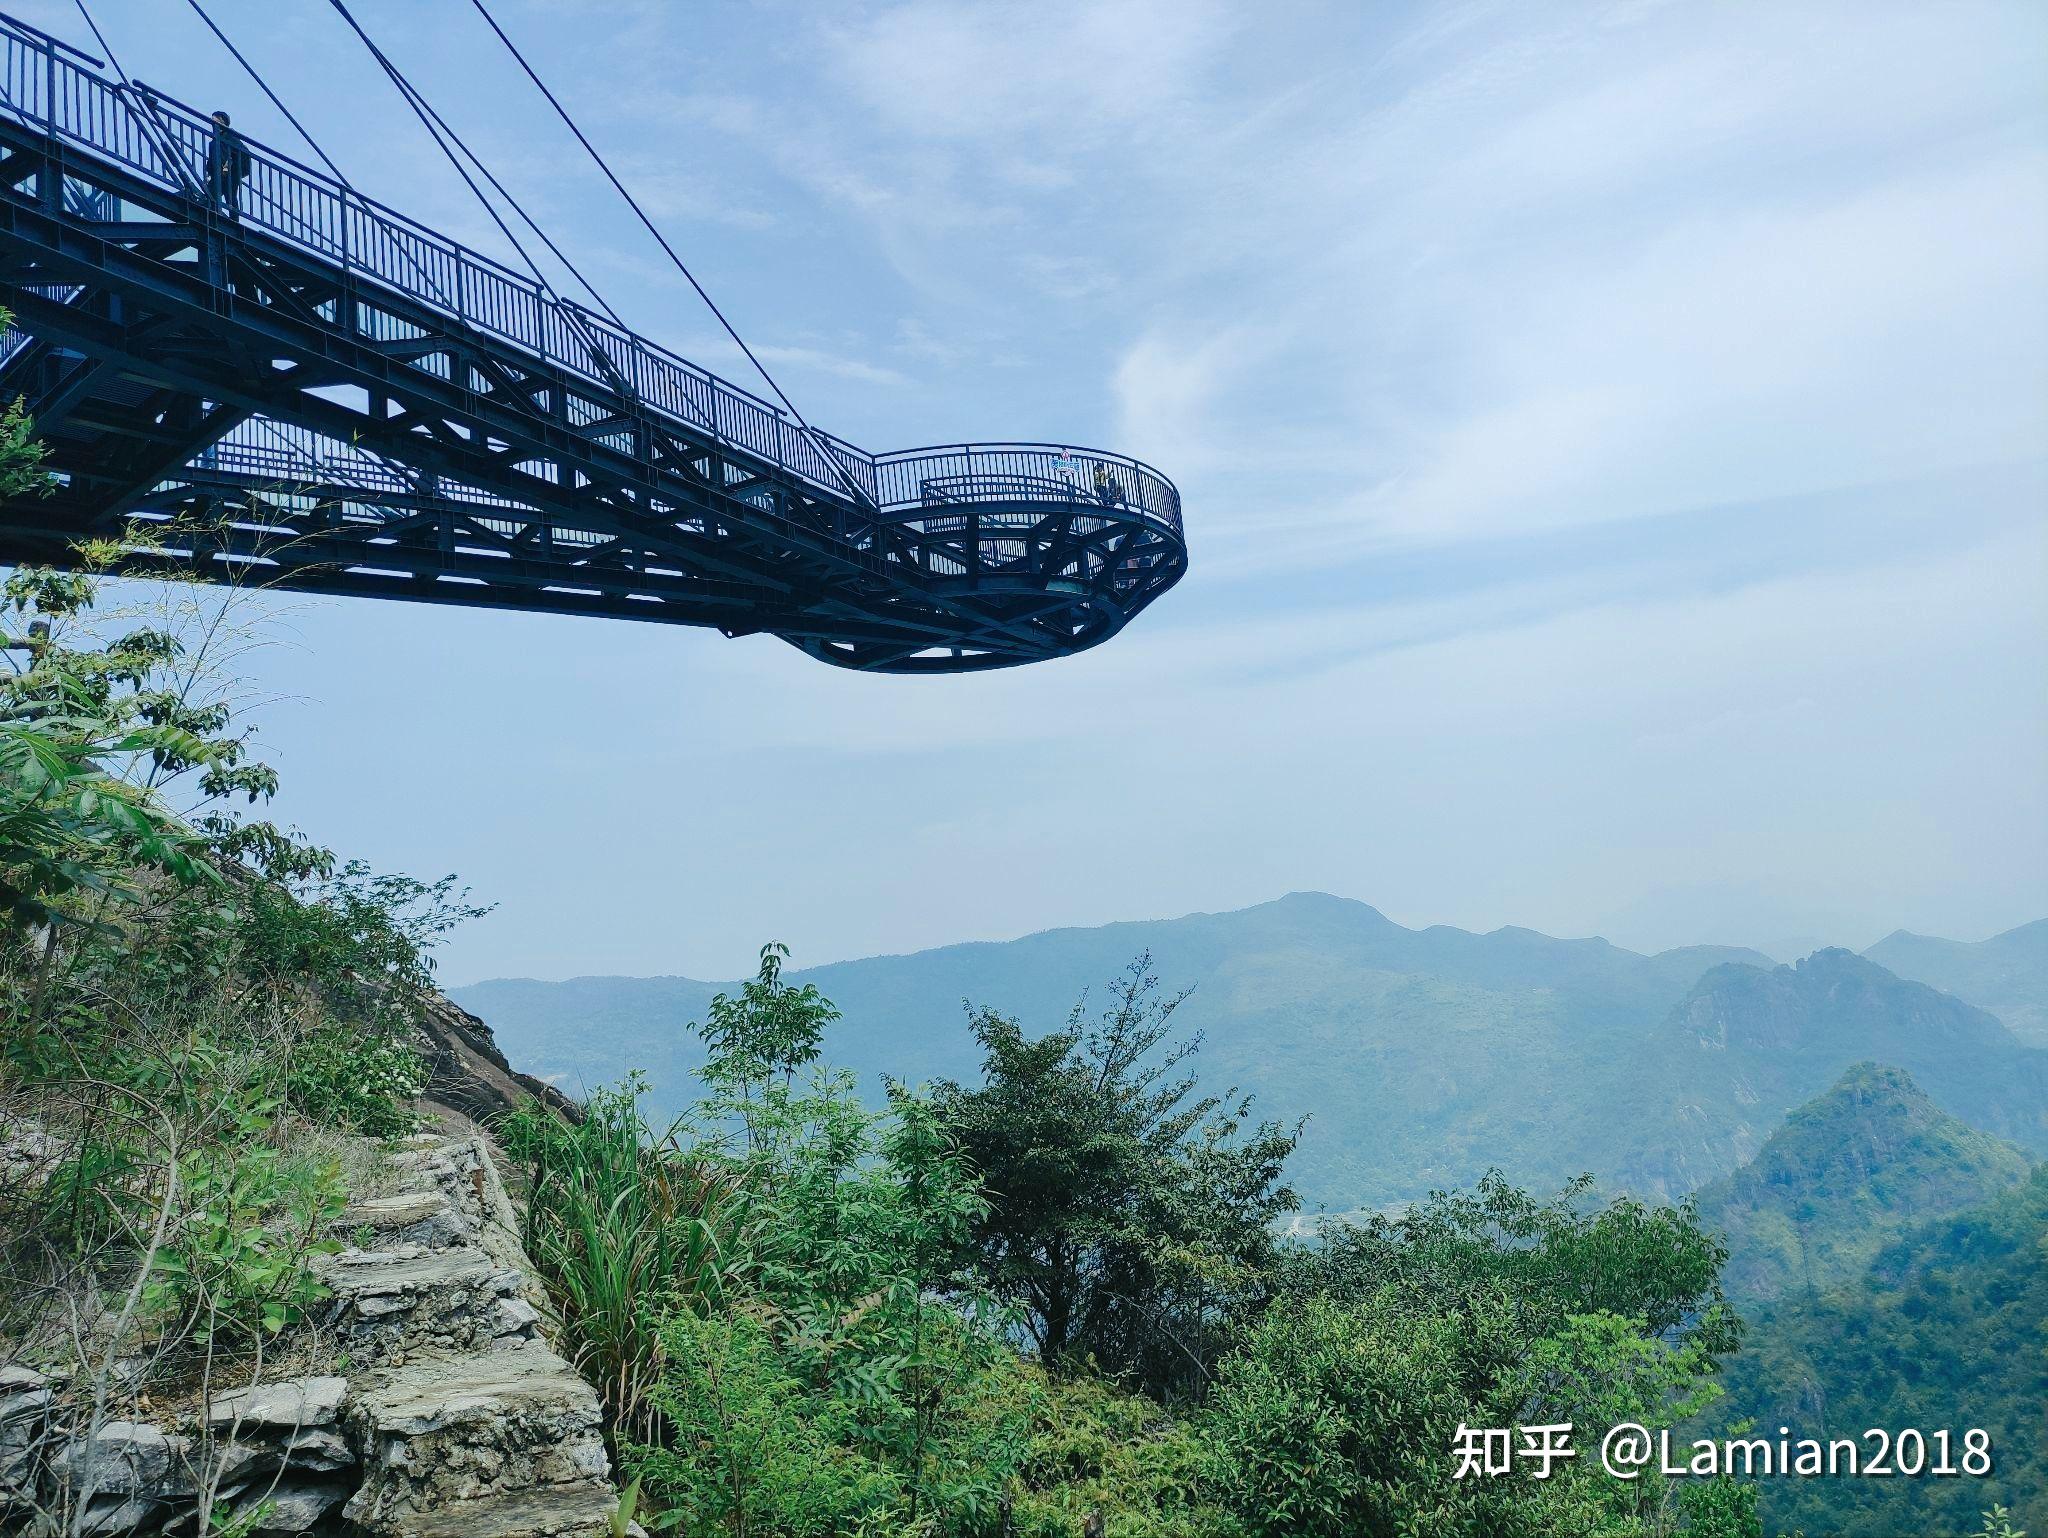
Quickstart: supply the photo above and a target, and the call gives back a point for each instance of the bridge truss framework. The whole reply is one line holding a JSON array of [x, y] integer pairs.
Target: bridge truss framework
[[327, 395]]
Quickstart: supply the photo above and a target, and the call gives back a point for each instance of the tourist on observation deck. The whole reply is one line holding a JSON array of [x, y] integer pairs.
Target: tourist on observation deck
[[227, 167]]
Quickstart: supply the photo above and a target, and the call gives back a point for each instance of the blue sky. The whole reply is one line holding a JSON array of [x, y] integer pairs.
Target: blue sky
[[1614, 441]]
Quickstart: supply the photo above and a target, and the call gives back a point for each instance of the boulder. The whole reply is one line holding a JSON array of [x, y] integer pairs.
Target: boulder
[[25, 1398], [294, 1508], [515, 1317], [106, 1516], [319, 1452]]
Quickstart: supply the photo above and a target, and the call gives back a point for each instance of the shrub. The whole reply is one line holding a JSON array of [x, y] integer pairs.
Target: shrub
[[627, 1230], [361, 1080], [236, 1260]]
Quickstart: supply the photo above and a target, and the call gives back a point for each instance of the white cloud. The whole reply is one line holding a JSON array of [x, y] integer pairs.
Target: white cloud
[[1066, 73], [818, 360]]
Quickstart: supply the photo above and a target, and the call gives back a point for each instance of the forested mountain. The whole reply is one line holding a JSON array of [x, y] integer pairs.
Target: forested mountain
[[1749, 1044], [1890, 1262], [2007, 974], [1423, 1057], [1947, 1327], [1848, 1173]]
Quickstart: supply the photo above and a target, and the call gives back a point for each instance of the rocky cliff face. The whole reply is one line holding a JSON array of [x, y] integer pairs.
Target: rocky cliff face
[[469, 1074]]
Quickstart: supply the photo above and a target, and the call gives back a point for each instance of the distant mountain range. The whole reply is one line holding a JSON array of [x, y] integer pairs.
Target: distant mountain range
[[2006, 975], [1422, 1057]]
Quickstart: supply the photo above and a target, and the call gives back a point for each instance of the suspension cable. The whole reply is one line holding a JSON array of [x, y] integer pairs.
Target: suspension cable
[[275, 101], [437, 127], [661, 240], [530, 222], [101, 38], [420, 111], [158, 138]]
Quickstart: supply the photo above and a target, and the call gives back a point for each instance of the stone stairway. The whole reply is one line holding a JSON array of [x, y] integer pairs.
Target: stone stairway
[[466, 1422], [440, 1410]]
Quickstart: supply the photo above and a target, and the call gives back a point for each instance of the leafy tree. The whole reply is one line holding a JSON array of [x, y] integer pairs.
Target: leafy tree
[[1337, 1418], [1129, 1214], [235, 1263], [762, 1037], [1483, 1309], [78, 824], [1340, 1416], [70, 828], [845, 1336], [1097, 1450], [751, 1455], [1550, 1258]]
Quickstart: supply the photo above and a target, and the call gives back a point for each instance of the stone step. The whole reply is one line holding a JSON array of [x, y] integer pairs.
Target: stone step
[[448, 1429], [427, 1218], [390, 1303], [566, 1511]]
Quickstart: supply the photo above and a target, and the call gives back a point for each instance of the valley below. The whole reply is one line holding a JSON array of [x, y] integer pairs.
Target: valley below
[[1863, 1131]]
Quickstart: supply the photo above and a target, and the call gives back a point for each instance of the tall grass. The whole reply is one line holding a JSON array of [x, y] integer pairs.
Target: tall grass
[[624, 1227]]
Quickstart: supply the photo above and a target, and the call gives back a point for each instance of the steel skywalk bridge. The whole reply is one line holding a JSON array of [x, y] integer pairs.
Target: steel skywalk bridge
[[330, 395]]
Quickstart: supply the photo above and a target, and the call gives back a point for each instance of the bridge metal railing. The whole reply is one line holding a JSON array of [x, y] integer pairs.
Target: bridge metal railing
[[54, 88], [930, 479], [166, 141]]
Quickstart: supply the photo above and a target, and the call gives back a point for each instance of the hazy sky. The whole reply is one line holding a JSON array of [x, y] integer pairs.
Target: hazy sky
[[1614, 441]]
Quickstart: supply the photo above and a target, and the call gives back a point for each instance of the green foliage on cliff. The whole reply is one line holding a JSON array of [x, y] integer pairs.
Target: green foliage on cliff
[[190, 997]]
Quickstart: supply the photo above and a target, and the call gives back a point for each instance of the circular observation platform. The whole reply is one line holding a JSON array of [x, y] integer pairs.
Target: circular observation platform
[[1022, 552]]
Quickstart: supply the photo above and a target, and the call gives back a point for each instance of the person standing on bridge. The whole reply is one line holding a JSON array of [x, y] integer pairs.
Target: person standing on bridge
[[227, 167]]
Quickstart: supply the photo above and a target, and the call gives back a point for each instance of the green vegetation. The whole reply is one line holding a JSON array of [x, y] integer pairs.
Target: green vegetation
[[1948, 1326], [1845, 1175], [1055, 1297], [773, 1294], [623, 1222], [192, 999], [1130, 1219]]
